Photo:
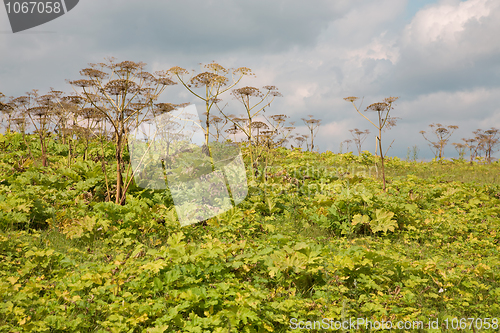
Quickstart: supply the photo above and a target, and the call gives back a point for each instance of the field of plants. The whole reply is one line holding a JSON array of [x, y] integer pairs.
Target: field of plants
[[315, 242], [316, 237]]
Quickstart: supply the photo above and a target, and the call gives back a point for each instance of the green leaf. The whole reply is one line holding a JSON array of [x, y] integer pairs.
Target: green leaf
[[360, 219], [158, 284], [383, 221]]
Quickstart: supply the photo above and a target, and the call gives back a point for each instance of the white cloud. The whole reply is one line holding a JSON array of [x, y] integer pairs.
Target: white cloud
[[457, 106], [449, 46], [330, 135], [444, 22], [380, 48], [443, 62]]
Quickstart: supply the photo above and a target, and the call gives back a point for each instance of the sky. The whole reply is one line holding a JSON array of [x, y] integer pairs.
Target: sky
[[441, 58]]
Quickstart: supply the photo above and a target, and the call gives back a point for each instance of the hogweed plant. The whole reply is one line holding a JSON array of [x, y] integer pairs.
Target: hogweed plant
[[484, 141], [347, 143], [279, 133], [384, 122], [412, 153], [489, 141], [443, 134], [460, 148], [299, 140], [254, 101], [213, 83], [312, 125], [123, 94], [7, 110], [39, 110], [359, 137]]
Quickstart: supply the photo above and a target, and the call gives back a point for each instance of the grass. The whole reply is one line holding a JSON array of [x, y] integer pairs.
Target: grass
[[447, 171], [270, 259]]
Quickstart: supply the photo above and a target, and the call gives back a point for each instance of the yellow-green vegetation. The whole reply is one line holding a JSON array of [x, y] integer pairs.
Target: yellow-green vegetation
[[316, 237]]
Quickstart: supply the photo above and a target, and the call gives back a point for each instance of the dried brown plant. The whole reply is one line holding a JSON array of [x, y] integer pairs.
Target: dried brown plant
[[124, 94], [443, 134], [384, 121]]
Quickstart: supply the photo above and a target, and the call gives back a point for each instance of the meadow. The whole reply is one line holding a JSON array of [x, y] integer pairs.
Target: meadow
[[315, 242]]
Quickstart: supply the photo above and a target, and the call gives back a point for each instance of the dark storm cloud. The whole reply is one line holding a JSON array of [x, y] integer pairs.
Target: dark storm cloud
[[440, 57], [200, 26], [180, 32]]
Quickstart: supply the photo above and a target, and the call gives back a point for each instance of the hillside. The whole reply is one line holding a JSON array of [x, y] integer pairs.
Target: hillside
[[316, 239]]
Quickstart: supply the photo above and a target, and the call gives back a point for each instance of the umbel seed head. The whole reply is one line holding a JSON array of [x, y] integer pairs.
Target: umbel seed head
[[351, 98]]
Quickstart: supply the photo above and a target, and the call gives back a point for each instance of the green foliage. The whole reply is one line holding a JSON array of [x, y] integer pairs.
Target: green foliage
[[316, 237]]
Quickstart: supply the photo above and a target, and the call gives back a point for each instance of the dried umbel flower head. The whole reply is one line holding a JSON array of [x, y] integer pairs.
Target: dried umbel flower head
[[312, 121], [351, 98], [164, 107], [94, 97], [176, 70], [259, 125], [391, 122], [357, 131], [90, 113], [279, 118], [56, 93], [38, 111], [71, 101], [20, 122], [6, 107], [46, 100], [299, 140], [21, 100], [390, 100], [167, 107], [93, 73], [469, 141], [165, 81], [145, 76], [243, 71], [129, 65], [270, 88], [215, 119], [378, 107], [128, 112], [459, 145], [120, 86], [208, 79], [138, 106], [239, 120], [273, 91], [247, 92], [216, 68], [146, 93], [441, 130], [214, 100], [82, 83], [267, 134], [232, 130]]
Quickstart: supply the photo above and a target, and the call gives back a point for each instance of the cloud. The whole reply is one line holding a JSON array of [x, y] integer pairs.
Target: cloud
[[197, 27], [442, 61], [450, 46], [468, 108], [444, 23]]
